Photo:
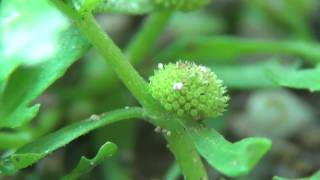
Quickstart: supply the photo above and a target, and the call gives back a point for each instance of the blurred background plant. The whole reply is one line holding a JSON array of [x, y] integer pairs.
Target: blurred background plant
[[265, 51]]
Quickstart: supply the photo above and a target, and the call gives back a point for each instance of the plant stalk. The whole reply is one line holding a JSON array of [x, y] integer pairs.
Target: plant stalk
[[111, 53], [145, 39], [181, 145], [142, 43]]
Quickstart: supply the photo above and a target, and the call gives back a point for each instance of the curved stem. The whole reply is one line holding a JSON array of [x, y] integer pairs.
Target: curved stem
[[145, 40], [181, 145], [141, 44], [111, 53]]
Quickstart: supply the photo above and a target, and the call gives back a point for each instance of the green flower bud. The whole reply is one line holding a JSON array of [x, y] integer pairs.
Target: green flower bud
[[188, 89], [183, 5]]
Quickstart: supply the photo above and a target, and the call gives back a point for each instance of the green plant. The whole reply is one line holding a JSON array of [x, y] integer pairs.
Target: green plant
[[177, 95]]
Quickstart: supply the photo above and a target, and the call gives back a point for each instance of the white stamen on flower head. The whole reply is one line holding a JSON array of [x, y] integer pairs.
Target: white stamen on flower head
[[160, 66], [177, 86], [203, 69]]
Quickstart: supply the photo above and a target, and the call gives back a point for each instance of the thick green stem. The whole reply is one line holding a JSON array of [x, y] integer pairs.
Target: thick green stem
[[111, 53], [181, 145], [141, 44], [145, 40], [115, 59]]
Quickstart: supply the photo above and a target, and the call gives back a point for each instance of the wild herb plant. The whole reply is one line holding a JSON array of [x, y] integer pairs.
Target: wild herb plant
[[175, 100]]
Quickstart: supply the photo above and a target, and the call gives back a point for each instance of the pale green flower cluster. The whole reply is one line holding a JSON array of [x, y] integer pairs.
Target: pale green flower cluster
[[189, 90]]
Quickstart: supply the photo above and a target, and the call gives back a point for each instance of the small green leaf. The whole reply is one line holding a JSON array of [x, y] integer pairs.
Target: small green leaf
[[124, 134], [126, 6], [18, 117], [315, 176], [45, 53], [85, 165], [34, 151], [294, 78], [231, 159], [14, 139]]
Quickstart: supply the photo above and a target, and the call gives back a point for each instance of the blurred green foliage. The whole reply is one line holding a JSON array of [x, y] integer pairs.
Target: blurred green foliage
[[251, 45]]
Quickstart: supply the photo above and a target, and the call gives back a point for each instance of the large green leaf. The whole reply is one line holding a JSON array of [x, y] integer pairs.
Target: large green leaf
[[85, 165], [34, 151], [231, 48], [294, 78], [268, 74], [231, 159], [27, 38], [47, 53]]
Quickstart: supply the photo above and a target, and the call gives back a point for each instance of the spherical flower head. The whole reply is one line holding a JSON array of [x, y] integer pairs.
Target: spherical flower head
[[189, 90], [183, 5]]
